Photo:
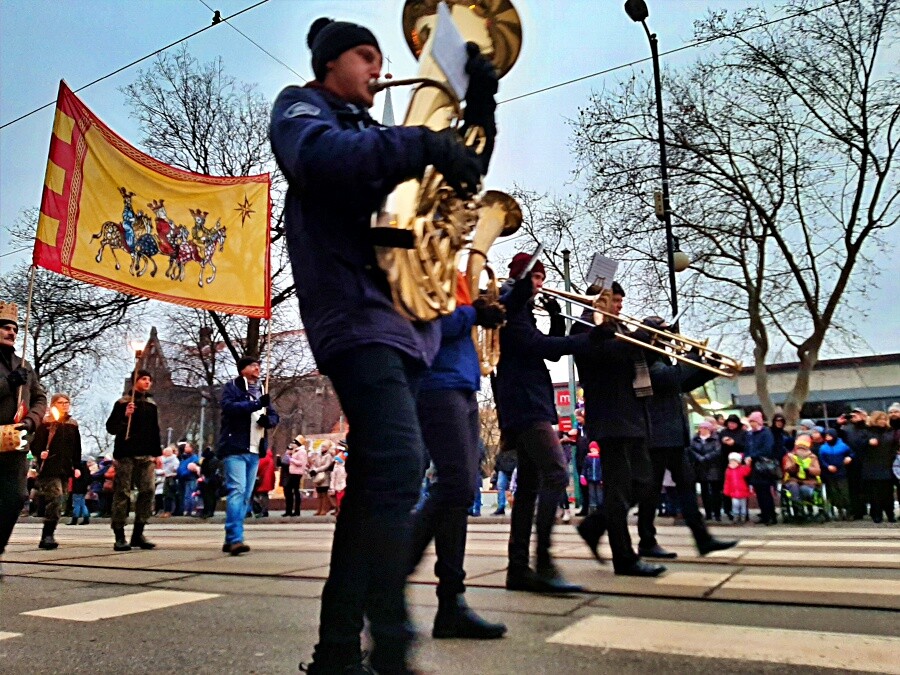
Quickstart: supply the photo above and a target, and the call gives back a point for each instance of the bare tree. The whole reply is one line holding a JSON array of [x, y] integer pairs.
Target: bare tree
[[74, 330], [782, 150], [197, 117]]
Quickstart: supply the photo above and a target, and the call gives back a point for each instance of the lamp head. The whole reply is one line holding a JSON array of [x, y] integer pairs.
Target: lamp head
[[637, 10], [680, 261]]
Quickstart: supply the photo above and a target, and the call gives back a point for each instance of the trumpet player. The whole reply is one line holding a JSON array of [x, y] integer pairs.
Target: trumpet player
[[340, 166]]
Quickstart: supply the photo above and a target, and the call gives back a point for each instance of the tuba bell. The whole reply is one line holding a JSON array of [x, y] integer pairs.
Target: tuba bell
[[433, 224]]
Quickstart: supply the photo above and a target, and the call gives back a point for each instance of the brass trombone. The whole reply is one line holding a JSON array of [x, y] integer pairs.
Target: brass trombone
[[673, 345]]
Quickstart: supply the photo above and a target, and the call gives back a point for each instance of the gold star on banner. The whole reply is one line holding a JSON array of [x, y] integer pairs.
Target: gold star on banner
[[245, 210]]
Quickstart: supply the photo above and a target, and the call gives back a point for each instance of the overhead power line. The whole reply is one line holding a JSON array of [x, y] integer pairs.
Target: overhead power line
[[136, 61], [250, 39], [690, 45]]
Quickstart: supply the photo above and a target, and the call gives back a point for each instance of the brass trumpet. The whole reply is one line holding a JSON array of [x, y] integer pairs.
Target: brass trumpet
[[673, 345]]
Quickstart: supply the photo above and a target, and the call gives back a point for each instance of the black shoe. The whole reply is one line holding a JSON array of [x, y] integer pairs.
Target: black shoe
[[592, 529], [713, 544], [642, 569], [455, 619], [85, 521], [74, 521], [238, 548], [121, 544], [499, 512], [137, 538], [548, 580], [656, 552]]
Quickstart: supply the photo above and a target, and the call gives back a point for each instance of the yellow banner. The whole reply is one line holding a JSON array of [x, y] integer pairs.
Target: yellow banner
[[115, 217]]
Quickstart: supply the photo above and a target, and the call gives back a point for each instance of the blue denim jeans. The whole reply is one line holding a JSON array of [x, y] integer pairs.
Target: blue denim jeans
[[240, 476], [79, 508], [190, 501], [502, 487]]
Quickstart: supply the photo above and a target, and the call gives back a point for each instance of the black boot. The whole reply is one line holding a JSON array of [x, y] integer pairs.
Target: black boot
[[592, 530], [74, 521], [455, 619], [137, 538], [86, 520], [121, 544], [47, 541]]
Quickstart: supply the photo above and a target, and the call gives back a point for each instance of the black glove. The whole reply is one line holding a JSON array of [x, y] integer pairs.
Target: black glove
[[263, 421], [605, 331], [551, 305], [17, 378], [26, 425], [483, 81], [264, 400], [460, 166], [312, 472], [489, 314]]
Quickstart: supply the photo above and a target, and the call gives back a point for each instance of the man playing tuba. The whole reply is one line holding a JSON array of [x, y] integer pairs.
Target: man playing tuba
[[340, 165]]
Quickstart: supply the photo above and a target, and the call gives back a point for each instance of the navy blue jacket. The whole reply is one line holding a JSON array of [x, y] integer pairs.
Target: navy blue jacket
[[524, 390], [761, 444], [238, 406], [340, 166], [456, 365]]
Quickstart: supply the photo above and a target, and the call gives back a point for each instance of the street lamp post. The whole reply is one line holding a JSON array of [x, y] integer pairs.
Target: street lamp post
[[637, 11]]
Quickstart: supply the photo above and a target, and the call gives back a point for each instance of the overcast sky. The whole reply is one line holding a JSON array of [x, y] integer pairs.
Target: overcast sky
[[43, 41]]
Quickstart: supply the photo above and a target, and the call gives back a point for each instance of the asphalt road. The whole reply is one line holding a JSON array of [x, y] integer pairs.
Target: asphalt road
[[827, 595]]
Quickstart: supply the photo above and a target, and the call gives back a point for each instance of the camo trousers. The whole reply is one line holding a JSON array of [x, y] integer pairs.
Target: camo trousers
[[133, 472], [53, 490]]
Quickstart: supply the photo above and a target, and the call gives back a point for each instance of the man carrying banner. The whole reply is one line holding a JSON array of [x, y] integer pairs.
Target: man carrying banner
[[340, 166], [135, 424], [15, 376]]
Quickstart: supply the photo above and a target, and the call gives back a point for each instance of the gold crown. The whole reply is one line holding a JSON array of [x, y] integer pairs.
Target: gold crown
[[9, 311]]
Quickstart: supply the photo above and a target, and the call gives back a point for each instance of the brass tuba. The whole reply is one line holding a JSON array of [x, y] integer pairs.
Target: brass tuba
[[433, 224], [499, 216]]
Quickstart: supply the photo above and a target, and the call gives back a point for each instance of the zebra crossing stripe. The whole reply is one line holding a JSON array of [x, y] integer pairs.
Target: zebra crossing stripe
[[844, 651], [5, 636], [108, 608]]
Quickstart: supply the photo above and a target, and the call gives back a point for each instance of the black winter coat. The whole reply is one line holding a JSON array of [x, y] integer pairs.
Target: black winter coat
[[523, 387], [877, 460], [65, 448], [606, 373], [706, 454], [668, 418], [143, 439]]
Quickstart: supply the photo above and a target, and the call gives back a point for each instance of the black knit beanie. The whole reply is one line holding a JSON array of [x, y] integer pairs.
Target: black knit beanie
[[245, 361], [328, 39]]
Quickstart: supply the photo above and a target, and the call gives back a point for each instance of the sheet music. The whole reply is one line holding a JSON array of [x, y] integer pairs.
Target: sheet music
[[449, 51], [602, 270]]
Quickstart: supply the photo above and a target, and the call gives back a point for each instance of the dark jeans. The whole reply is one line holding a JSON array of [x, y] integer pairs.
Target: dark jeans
[[541, 478], [627, 479], [675, 461], [449, 420], [292, 497], [13, 493], [370, 553], [765, 500], [210, 493], [711, 494], [880, 495]]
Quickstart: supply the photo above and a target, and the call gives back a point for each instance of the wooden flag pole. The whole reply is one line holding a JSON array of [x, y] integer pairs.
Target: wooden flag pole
[[268, 353], [25, 336], [138, 356]]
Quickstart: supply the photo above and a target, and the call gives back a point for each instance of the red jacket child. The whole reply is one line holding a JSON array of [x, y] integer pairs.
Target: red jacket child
[[736, 478], [266, 473]]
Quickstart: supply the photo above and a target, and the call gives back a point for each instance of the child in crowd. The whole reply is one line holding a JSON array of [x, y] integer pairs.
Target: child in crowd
[[736, 475], [592, 477], [834, 457], [338, 482]]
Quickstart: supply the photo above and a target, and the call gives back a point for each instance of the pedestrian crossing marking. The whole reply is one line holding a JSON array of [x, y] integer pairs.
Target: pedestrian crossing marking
[[843, 651], [5, 636], [764, 582], [108, 608]]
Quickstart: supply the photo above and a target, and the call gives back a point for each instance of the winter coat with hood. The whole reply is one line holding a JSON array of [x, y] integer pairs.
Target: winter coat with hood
[[739, 436], [877, 459], [265, 474], [834, 454], [341, 165], [736, 480]]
